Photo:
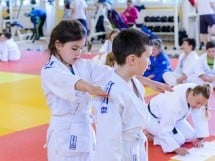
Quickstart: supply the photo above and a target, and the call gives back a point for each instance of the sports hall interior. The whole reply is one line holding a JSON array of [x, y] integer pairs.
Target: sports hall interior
[[24, 114]]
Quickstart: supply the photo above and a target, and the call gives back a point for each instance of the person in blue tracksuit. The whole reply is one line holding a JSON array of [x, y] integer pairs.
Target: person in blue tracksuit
[[159, 63], [38, 18]]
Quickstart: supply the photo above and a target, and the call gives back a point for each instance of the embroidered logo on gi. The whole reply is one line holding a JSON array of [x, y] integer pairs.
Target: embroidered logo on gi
[[73, 142], [163, 62], [49, 64], [104, 106], [104, 109]]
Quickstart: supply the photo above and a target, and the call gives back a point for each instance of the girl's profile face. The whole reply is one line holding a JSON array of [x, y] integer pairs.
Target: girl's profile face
[[155, 51], [197, 101], [70, 51]]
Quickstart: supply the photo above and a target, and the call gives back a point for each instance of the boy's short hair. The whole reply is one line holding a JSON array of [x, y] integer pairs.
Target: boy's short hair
[[127, 42], [210, 44], [7, 35], [191, 42]]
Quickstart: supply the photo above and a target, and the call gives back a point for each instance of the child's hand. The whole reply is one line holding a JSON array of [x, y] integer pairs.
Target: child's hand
[[211, 79], [97, 91], [179, 80], [198, 143], [181, 151]]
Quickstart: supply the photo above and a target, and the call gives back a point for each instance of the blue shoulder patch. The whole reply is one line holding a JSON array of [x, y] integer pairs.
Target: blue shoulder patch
[[49, 65]]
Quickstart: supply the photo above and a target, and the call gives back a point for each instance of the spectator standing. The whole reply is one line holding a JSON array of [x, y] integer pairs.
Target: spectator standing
[[78, 12], [130, 14], [205, 9]]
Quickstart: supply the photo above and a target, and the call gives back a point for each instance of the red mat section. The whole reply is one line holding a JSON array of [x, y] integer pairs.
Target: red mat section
[[31, 62], [24, 145], [28, 146]]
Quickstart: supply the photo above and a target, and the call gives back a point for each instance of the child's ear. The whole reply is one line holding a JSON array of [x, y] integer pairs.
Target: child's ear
[[131, 59], [58, 44]]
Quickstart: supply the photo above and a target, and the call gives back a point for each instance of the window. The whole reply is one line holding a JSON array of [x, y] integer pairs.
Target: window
[[123, 2], [169, 1]]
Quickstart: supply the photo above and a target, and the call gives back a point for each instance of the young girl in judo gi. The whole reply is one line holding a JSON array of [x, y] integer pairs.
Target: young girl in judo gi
[[121, 118], [188, 60], [205, 71], [168, 113], [70, 136]]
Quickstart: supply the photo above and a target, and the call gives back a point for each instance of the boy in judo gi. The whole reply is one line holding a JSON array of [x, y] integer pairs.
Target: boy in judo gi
[[168, 117], [188, 60], [205, 71], [121, 118]]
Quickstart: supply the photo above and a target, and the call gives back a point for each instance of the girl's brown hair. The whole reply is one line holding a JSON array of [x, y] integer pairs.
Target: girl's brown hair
[[66, 31], [206, 91], [110, 59]]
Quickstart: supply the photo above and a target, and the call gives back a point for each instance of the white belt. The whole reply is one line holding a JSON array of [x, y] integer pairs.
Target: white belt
[[140, 138], [134, 137], [72, 118], [58, 120]]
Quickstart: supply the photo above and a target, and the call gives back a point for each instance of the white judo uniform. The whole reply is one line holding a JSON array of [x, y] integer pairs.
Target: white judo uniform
[[203, 69], [120, 121], [70, 136], [9, 51], [186, 65], [104, 50], [168, 112]]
